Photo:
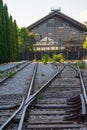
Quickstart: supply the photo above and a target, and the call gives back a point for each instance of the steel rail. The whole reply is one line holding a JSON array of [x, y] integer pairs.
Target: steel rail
[[35, 95], [44, 86], [26, 64], [9, 107], [4, 79], [12, 67], [83, 85], [21, 106], [27, 98], [72, 66], [12, 116], [32, 98]]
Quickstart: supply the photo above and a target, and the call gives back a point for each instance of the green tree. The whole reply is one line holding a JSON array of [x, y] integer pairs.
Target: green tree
[[24, 36], [85, 23], [85, 43], [1, 30], [25, 39], [6, 34], [30, 42], [20, 40], [12, 40], [15, 40]]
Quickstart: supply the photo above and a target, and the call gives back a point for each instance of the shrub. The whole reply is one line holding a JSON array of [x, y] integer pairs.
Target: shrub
[[1, 72], [45, 58], [58, 57], [17, 66], [81, 64], [10, 74]]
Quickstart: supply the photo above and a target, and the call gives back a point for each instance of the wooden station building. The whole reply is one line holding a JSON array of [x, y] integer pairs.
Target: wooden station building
[[58, 32]]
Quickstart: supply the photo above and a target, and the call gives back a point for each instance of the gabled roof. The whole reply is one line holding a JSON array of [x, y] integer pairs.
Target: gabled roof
[[58, 14], [45, 39]]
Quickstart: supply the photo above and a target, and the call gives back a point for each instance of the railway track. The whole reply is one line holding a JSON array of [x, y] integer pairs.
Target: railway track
[[9, 103], [5, 73], [60, 104]]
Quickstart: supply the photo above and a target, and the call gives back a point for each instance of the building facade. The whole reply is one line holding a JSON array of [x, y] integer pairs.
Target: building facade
[[66, 33]]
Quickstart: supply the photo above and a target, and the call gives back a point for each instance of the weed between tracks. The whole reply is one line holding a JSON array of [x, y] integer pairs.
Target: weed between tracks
[[39, 97], [42, 74], [9, 74], [81, 64], [17, 66]]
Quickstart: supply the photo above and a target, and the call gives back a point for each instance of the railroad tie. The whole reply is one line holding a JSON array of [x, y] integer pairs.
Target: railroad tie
[[77, 110]]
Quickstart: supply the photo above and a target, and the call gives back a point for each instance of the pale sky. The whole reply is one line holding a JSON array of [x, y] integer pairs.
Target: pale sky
[[26, 12]]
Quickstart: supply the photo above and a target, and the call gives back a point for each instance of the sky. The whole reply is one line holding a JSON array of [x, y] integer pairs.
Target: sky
[[27, 12]]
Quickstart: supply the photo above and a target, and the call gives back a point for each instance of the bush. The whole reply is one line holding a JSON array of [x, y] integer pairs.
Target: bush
[[58, 57], [81, 64], [1, 71], [10, 74], [45, 58], [17, 66]]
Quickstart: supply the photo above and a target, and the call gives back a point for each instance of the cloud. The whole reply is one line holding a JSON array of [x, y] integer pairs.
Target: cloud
[[83, 16]]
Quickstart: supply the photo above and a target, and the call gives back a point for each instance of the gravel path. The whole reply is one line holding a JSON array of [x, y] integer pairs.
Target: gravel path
[[4, 67], [46, 71], [19, 83]]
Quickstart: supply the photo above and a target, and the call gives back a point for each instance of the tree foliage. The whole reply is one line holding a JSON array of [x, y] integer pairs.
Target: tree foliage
[[85, 23], [58, 57], [45, 58], [26, 40], [13, 40], [8, 36], [85, 43]]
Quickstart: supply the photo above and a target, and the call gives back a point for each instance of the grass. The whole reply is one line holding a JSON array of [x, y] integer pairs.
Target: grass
[[39, 97], [17, 66], [9, 74], [81, 64], [1, 72], [42, 74]]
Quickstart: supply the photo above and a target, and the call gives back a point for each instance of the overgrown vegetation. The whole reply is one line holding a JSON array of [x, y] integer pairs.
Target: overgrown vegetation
[[17, 66], [9, 74], [81, 64], [8, 35], [85, 43], [13, 40], [45, 59], [25, 40], [39, 97], [58, 57], [42, 74], [1, 71]]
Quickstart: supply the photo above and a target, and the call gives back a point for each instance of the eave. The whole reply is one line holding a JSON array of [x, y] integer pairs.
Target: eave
[[58, 14]]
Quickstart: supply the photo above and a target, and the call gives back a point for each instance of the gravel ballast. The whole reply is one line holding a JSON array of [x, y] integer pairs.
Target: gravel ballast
[[19, 83]]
